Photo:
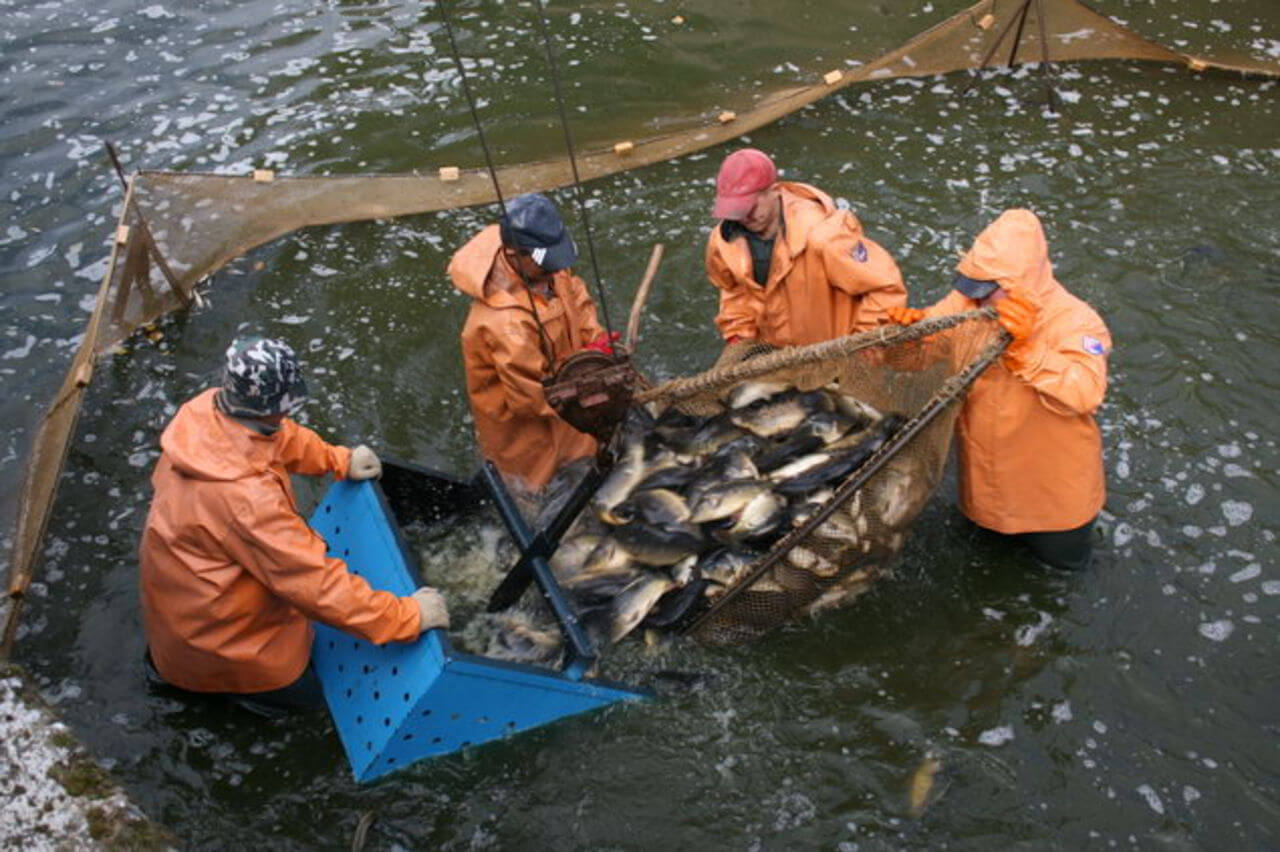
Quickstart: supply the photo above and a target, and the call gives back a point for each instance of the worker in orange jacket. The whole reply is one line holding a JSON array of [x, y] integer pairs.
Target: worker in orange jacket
[[231, 574], [1029, 448], [792, 268], [528, 313]]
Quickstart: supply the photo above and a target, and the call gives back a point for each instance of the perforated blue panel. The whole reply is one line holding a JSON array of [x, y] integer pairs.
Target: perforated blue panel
[[398, 703]]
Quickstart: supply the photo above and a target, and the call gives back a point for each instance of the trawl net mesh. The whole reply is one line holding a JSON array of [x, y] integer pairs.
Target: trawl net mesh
[[913, 378]]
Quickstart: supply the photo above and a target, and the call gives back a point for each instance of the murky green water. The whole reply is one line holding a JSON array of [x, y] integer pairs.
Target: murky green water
[[1132, 706]]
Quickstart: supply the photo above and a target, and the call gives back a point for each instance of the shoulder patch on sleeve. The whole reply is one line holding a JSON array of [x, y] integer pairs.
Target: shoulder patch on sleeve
[[1093, 345], [860, 252]]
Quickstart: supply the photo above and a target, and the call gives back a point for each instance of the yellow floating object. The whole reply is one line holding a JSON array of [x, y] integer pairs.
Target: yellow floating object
[[833, 77], [449, 173], [726, 116], [263, 175], [624, 147]]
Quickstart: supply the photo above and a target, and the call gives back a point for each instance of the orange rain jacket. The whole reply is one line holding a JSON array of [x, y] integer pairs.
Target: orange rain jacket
[[1029, 449], [505, 363], [826, 279], [231, 573]]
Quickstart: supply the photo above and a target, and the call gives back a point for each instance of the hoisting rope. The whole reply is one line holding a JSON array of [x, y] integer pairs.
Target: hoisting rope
[[573, 162], [544, 340]]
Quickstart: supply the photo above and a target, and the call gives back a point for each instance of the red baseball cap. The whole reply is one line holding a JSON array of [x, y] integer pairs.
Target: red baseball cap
[[743, 175]]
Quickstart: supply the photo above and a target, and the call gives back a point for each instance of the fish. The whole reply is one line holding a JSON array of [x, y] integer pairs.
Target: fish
[[894, 503], [651, 544], [654, 506], [746, 443], [632, 605], [602, 585], [922, 784], [712, 435], [836, 467], [726, 565], [572, 554], [518, 639], [608, 555], [800, 466], [750, 393], [804, 507], [676, 476], [620, 482], [675, 427], [812, 562], [780, 414], [823, 428], [762, 516], [726, 499], [685, 571]]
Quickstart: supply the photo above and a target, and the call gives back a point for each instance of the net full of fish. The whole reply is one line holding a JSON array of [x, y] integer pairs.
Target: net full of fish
[[692, 502]]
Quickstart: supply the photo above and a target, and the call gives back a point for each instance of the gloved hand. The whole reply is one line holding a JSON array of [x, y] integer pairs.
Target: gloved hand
[[604, 342], [364, 464], [432, 612], [1018, 313], [904, 315]]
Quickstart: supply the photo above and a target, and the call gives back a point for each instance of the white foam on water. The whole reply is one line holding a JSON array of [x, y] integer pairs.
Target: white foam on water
[[996, 736], [1195, 493], [21, 351], [1271, 587], [1029, 633], [1246, 573], [1218, 631], [1152, 798], [1061, 713], [1190, 794], [1237, 512]]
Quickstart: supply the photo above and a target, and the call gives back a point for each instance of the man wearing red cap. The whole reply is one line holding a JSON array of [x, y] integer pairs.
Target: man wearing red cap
[[792, 268]]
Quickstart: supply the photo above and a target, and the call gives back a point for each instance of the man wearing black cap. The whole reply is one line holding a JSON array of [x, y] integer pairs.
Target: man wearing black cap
[[528, 313]]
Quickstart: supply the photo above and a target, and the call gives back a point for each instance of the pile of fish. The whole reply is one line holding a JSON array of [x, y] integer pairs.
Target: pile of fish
[[692, 502]]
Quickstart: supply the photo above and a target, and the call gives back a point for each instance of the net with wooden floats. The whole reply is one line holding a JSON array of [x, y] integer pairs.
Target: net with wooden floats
[[177, 229]]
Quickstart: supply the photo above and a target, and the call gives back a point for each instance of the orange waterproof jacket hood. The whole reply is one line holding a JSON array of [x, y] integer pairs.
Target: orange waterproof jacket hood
[[826, 280], [230, 573], [505, 360], [1030, 452]]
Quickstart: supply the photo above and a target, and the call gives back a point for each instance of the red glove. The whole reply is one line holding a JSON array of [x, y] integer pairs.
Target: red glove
[[904, 315], [604, 342], [1018, 313]]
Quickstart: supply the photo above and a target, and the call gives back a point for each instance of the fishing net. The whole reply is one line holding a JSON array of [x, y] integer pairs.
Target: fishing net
[[919, 373], [178, 229]]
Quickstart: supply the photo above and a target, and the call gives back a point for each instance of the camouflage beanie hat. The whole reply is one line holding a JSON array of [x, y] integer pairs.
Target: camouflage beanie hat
[[262, 378]]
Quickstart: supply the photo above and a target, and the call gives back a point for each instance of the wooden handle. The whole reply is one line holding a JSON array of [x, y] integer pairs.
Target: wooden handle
[[642, 295]]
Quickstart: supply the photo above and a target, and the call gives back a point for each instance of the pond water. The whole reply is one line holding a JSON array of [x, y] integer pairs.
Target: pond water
[[1133, 705]]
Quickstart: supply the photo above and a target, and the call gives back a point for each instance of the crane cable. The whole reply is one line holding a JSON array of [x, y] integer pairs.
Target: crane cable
[[544, 340]]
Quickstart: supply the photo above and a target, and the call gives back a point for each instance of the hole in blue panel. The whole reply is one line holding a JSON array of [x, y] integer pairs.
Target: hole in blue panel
[[355, 646], [341, 667], [332, 644], [348, 692], [511, 726], [407, 737], [390, 760], [466, 743], [377, 696], [386, 722], [426, 712], [365, 669], [455, 716], [368, 746], [483, 720], [328, 509], [346, 551], [435, 740], [395, 670], [359, 720], [337, 530], [406, 698]]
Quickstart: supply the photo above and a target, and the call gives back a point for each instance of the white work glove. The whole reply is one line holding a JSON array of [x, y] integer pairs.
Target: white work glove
[[431, 609], [364, 464]]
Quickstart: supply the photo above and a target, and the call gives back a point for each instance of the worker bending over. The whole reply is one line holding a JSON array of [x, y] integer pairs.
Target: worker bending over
[[528, 313], [1029, 448], [791, 267], [231, 574]]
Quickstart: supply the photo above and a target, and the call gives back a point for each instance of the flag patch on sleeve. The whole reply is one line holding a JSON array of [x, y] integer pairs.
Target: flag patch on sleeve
[[860, 252], [1093, 345]]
